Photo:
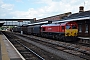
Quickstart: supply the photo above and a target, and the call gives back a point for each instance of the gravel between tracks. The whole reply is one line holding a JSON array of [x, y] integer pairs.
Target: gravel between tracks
[[59, 53]]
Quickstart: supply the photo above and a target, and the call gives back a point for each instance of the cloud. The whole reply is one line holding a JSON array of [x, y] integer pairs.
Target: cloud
[[5, 9], [52, 7], [87, 5], [1, 2], [7, 6], [20, 14]]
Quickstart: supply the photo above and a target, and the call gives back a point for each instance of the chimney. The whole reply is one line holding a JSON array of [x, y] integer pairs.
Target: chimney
[[34, 19], [81, 9]]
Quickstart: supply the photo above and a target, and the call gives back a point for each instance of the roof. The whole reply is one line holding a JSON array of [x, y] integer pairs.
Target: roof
[[75, 17], [55, 17], [79, 15], [67, 20]]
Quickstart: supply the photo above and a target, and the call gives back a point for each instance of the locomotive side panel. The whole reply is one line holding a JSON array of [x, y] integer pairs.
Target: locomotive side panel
[[51, 28]]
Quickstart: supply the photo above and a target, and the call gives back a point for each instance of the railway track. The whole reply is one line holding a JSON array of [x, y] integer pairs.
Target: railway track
[[58, 46], [78, 50], [29, 51]]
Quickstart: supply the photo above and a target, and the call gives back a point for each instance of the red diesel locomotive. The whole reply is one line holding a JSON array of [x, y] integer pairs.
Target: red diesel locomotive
[[66, 31]]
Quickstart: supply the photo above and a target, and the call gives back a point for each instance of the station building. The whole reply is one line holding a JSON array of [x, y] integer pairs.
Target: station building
[[83, 20], [83, 23]]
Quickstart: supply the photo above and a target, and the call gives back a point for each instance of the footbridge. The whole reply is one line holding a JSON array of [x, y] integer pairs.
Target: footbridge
[[16, 22]]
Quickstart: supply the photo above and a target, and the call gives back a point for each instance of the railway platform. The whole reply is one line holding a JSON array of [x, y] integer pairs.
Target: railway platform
[[85, 39], [7, 50]]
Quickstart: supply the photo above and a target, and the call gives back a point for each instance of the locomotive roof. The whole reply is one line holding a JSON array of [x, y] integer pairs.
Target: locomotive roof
[[56, 24]]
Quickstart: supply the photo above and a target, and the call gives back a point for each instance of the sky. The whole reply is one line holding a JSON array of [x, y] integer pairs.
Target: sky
[[29, 9]]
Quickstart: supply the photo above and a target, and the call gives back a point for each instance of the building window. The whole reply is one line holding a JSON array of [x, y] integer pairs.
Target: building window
[[86, 29], [80, 28]]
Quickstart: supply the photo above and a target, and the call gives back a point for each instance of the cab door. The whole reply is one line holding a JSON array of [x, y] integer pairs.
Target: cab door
[[62, 28]]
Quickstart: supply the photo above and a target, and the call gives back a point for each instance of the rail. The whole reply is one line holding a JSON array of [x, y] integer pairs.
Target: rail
[[31, 51]]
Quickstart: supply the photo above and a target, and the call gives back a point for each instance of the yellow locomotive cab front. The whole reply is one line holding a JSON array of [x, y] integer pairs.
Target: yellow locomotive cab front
[[71, 32]]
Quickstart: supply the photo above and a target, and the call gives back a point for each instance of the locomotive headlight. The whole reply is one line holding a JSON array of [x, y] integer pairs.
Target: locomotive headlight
[[67, 34], [75, 34]]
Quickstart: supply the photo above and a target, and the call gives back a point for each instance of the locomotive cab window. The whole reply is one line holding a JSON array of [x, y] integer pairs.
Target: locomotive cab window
[[74, 27], [68, 27]]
